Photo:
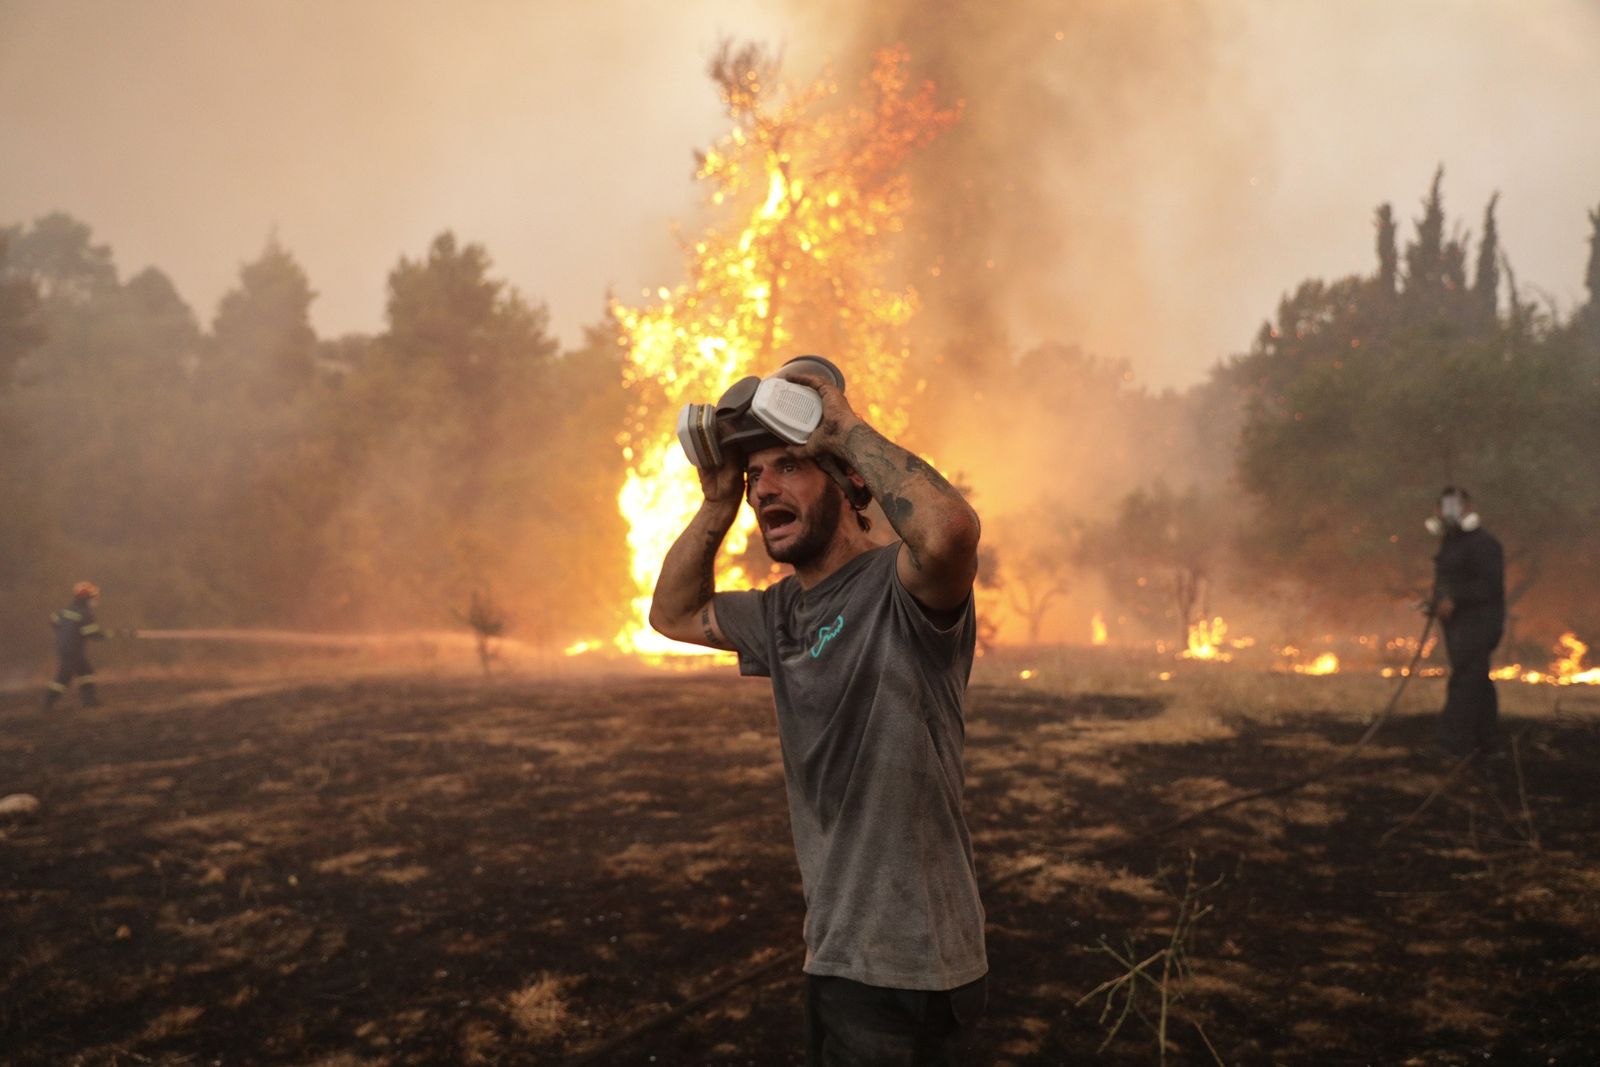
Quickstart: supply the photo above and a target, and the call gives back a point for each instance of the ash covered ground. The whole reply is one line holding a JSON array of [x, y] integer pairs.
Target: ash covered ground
[[433, 870]]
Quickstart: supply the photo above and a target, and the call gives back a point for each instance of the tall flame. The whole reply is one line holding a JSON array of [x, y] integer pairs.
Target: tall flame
[[1569, 669], [816, 193]]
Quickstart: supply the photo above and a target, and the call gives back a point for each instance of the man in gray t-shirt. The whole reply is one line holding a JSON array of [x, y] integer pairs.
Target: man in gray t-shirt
[[869, 648]]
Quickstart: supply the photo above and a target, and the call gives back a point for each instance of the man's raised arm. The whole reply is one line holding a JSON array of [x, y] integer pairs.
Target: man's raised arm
[[681, 608], [938, 528]]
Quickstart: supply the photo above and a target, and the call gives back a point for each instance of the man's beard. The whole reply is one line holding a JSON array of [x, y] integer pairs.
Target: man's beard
[[820, 524]]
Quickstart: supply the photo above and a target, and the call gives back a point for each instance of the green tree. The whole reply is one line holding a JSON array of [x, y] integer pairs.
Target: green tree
[[21, 330], [1388, 253], [1358, 411], [269, 474], [24, 525], [443, 414], [58, 252], [262, 331], [1486, 278], [102, 425]]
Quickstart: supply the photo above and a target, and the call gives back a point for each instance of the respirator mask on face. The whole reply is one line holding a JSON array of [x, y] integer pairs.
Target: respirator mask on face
[[757, 413], [1453, 515]]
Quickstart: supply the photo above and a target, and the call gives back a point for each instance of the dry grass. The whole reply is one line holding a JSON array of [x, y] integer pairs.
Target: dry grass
[[541, 1008], [171, 1023], [1199, 696]]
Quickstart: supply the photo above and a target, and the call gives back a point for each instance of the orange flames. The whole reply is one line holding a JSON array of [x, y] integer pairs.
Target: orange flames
[[816, 193], [1326, 663], [1097, 629], [1567, 669], [1206, 641], [1322, 663]]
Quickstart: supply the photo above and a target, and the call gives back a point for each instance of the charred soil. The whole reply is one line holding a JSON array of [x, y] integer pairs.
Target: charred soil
[[437, 871]]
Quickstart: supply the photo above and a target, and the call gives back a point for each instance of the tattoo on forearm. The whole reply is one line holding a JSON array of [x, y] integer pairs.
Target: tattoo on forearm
[[705, 625], [897, 508], [708, 565], [915, 464], [890, 472]]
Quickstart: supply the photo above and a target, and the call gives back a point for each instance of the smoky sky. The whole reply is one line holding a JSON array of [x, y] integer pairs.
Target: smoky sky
[[1171, 168]]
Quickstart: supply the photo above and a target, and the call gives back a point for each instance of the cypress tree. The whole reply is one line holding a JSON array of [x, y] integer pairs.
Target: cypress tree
[[1388, 255], [1486, 281], [1591, 276], [1425, 255]]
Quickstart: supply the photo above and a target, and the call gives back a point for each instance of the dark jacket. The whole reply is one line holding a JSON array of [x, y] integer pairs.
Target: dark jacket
[[1470, 569], [75, 625]]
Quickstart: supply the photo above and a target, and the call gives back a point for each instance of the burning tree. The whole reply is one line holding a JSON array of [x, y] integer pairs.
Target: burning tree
[[812, 194]]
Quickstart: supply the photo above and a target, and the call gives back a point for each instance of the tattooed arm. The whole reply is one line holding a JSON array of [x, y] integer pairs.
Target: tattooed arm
[[681, 608], [938, 528]]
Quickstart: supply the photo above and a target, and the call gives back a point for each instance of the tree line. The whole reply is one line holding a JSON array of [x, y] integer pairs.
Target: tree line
[[247, 472], [1354, 406]]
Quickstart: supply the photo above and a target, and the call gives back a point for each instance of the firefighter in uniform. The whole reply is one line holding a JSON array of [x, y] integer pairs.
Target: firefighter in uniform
[[75, 627]]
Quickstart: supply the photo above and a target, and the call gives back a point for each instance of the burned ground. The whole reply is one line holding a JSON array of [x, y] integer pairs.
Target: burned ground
[[431, 871]]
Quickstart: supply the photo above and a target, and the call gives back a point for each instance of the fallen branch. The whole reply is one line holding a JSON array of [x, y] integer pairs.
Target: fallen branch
[[1174, 962]]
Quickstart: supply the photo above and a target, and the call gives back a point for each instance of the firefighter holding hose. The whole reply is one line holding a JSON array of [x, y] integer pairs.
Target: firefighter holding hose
[[1470, 603], [75, 627]]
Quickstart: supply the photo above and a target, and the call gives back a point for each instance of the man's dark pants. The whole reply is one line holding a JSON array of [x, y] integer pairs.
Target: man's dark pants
[[1471, 709], [849, 1024], [70, 664]]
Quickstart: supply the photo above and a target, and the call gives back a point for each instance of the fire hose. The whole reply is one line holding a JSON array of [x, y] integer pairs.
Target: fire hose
[[1100, 852]]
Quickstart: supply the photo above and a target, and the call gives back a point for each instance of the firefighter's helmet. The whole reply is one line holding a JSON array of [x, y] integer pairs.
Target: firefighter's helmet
[[85, 591]]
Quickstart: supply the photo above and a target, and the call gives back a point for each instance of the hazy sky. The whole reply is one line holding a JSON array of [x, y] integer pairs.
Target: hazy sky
[[560, 136]]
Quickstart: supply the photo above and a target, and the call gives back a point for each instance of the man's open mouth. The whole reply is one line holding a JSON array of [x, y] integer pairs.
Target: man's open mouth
[[776, 520]]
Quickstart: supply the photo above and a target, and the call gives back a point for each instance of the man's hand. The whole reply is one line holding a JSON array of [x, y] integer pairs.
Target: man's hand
[[724, 484], [838, 417]]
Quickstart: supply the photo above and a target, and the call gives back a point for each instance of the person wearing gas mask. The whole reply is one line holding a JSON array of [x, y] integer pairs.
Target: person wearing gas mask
[[1469, 600], [869, 647]]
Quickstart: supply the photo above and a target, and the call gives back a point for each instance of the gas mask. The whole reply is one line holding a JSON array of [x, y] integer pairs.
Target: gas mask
[[1453, 514], [757, 413]]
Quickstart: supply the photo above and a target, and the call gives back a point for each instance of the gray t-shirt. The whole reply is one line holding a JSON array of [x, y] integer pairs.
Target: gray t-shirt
[[869, 699]]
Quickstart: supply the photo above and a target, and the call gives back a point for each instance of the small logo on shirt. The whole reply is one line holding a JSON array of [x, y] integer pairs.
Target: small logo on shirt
[[826, 634]]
